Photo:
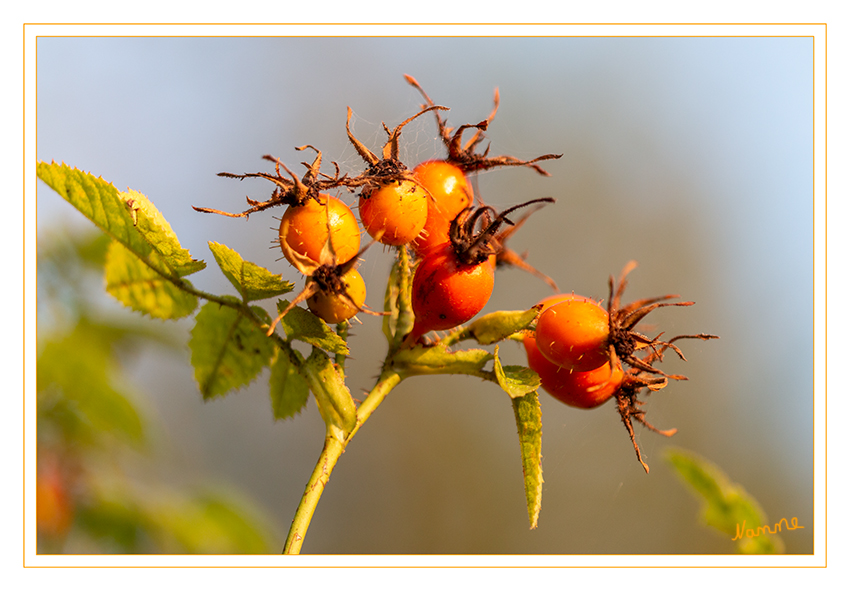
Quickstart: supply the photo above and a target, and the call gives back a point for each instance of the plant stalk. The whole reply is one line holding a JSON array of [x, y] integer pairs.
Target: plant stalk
[[331, 452]]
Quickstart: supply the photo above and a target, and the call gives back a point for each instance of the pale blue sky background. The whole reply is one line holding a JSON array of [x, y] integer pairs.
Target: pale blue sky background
[[691, 155]]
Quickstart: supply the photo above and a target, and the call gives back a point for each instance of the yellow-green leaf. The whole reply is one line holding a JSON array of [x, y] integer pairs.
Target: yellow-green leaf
[[497, 326], [157, 231], [516, 380], [438, 359], [136, 285], [253, 282], [530, 429], [302, 325], [138, 226]]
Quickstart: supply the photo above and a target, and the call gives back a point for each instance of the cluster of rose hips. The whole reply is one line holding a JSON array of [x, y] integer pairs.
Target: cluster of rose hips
[[578, 348], [429, 209]]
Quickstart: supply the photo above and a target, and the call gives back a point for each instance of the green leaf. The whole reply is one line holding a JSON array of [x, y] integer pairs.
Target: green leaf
[[727, 507], [228, 350], [157, 231], [332, 396], [302, 325], [497, 326], [253, 282], [139, 287], [530, 428], [516, 380], [438, 359], [101, 203], [287, 387]]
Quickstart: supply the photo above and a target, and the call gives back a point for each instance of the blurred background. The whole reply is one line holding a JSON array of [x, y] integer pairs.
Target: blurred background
[[692, 156]]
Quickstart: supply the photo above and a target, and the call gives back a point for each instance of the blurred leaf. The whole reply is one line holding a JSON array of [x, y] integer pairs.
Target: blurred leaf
[[332, 396], [727, 506], [84, 409], [129, 334], [70, 276], [157, 231], [228, 351], [253, 282], [128, 520], [139, 287], [91, 249], [516, 380], [116, 524], [74, 380], [287, 387], [530, 429], [207, 524], [497, 326], [302, 325], [80, 249]]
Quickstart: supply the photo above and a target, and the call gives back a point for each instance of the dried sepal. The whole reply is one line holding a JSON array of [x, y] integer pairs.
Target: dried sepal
[[644, 375], [474, 231], [387, 168], [464, 156], [509, 258], [624, 341], [289, 190]]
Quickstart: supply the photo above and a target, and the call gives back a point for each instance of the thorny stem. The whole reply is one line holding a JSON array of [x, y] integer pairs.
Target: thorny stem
[[331, 452]]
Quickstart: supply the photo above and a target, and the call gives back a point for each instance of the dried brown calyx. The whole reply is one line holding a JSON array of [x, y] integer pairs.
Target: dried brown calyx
[[463, 155], [288, 191], [510, 258], [387, 168], [474, 231], [625, 342]]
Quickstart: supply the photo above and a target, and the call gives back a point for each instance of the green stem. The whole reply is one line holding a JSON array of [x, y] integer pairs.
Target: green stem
[[388, 380], [331, 452], [184, 285]]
